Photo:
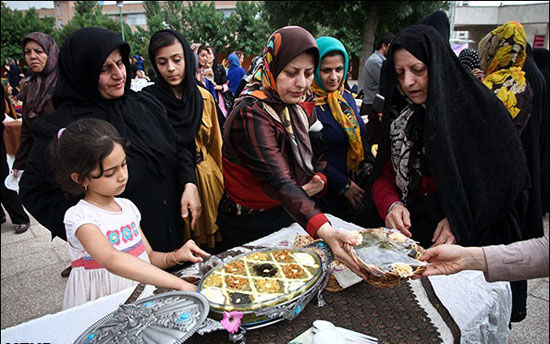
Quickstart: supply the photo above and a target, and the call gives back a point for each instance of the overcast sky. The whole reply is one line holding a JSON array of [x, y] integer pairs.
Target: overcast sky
[[23, 5]]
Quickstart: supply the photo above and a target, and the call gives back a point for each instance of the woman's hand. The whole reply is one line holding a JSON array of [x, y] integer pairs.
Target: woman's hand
[[218, 88], [450, 259], [443, 234], [314, 186], [15, 172], [336, 238], [478, 73], [354, 194], [190, 252], [399, 218], [190, 202]]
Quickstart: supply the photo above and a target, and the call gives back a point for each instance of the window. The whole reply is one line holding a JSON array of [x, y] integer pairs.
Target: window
[[58, 8], [226, 12], [136, 19]]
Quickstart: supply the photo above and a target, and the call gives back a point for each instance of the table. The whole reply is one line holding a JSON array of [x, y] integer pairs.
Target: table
[[461, 308], [12, 131]]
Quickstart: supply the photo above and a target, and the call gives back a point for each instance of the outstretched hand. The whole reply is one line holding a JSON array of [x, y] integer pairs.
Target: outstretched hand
[[336, 238], [191, 252], [449, 259]]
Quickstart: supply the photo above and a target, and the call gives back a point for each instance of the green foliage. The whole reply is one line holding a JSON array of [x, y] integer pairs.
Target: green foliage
[[345, 20], [88, 13], [246, 29], [201, 23], [15, 26]]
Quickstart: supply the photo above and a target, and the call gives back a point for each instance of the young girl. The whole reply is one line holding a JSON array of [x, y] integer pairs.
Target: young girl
[[107, 247]]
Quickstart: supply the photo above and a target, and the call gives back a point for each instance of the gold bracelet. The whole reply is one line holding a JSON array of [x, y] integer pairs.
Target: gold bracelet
[[175, 260], [164, 258]]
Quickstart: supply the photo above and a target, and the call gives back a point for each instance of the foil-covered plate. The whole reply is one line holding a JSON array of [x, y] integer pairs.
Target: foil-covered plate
[[169, 318]]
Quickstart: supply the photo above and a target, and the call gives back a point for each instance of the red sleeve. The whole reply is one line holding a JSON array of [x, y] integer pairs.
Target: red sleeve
[[384, 191]]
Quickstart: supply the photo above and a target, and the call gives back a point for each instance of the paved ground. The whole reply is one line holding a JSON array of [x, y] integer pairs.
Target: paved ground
[[31, 284]]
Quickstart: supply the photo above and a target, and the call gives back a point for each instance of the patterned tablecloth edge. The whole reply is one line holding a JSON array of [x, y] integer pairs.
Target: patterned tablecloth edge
[[438, 314]]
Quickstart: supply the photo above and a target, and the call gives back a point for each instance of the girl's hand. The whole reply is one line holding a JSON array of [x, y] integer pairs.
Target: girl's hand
[[186, 286], [443, 234], [190, 252], [336, 238], [354, 194], [190, 201], [314, 186], [399, 218]]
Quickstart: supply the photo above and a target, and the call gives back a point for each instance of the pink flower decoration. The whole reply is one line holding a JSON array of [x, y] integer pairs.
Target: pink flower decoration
[[232, 320]]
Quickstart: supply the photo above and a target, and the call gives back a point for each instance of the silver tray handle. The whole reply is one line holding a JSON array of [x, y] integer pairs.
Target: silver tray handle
[[326, 251], [209, 264]]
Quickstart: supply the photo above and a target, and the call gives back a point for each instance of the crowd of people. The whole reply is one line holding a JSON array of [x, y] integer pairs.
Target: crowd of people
[[208, 156]]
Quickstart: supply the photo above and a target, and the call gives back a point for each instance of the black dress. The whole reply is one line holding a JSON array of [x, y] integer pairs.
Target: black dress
[[158, 164]]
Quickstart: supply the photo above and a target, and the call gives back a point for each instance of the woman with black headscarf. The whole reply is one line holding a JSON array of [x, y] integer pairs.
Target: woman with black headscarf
[[446, 169], [192, 113], [92, 83], [41, 53]]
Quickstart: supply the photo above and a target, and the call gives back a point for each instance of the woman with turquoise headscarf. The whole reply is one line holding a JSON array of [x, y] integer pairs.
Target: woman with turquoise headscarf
[[343, 128]]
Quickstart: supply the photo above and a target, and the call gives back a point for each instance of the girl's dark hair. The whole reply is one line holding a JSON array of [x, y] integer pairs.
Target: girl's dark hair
[[81, 148], [161, 39]]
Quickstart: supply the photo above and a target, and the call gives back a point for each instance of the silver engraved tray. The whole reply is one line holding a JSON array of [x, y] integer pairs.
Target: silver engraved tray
[[260, 314], [169, 318]]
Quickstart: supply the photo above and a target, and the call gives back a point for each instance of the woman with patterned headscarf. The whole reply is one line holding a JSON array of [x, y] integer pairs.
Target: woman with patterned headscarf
[[502, 55], [269, 168], [343, 129], [41, 54]]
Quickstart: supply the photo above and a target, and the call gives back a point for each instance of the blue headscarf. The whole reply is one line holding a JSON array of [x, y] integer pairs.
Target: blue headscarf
[[327, 44], [235, 72]]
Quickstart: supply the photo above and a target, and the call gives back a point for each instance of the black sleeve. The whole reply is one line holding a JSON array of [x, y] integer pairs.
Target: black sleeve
[[39, 194]]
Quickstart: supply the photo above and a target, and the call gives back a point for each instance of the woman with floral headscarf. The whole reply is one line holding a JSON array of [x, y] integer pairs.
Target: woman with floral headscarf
[[343, 128], [41, 54], [269, 167], [502, 54]]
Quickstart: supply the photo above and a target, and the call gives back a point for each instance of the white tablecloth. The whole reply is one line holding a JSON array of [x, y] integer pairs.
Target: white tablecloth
[[480, 309]]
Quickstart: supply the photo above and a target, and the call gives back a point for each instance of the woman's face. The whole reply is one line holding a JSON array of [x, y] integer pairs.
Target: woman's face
[[112, 77], [171, 63], [295, 79], [412, 75], [35, 56], [204, 57], [332, 72]]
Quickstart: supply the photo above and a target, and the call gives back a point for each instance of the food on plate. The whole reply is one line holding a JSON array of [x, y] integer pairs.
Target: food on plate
[[261, 278]]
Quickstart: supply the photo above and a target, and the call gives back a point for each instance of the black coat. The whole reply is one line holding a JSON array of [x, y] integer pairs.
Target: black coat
[[159, 166]]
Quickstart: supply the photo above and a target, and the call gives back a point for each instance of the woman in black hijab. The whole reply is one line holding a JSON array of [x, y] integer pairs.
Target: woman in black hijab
[[445, 164], [192, 113], [450, 162], [92, 83]]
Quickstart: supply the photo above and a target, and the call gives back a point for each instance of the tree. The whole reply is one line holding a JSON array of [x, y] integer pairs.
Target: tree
[[16, 25], [87, 13], [139, 40], [352, 22], [246, 29]]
